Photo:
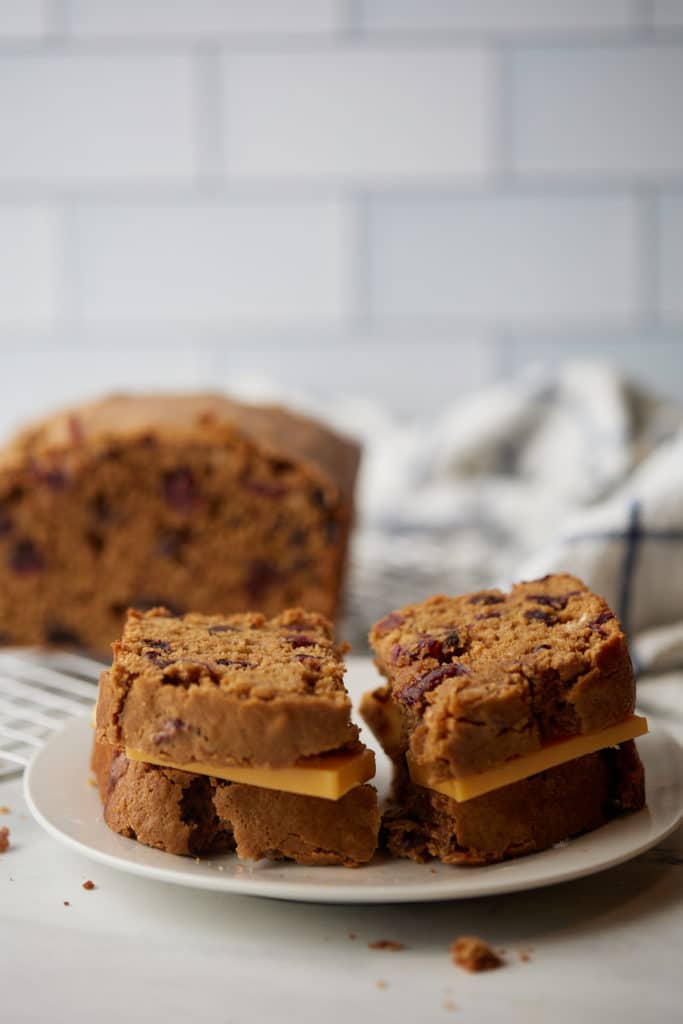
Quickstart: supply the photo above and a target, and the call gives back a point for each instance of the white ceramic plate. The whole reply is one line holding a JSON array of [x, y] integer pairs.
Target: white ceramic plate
[[62, 801]]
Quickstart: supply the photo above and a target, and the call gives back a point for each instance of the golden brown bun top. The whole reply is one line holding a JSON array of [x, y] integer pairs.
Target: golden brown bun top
[[120, 417]]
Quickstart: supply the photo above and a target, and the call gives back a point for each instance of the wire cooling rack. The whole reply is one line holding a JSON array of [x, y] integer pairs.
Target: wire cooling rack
[[39, 691]]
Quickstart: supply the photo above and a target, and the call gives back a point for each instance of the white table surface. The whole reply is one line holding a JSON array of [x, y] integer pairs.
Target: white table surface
[[606, 948]]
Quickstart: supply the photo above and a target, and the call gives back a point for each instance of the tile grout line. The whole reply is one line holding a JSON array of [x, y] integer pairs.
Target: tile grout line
[[647, 267], [113, 192], [349, 20], [56, 21], [645, 19], [360, 297], [346, 36], [169, 333], [507, 351], [495, 341], [501, 123], [207, 111], [70, 274]]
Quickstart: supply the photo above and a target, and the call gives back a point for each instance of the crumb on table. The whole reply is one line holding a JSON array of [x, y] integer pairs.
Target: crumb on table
[[4, 840], [66, 903], [381, 984], [89, 885], [474, 954], [388, 944], [5, 810], [352, 936]]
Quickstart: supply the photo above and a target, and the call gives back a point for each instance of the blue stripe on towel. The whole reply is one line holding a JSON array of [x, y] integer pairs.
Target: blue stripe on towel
[[632, 537]]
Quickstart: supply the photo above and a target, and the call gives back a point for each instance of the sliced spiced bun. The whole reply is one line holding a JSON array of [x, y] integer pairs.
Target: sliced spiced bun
[[509, 719], [234, 732]]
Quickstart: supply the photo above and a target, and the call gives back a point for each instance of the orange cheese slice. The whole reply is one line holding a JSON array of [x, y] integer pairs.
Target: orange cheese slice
[[329, 776], [518, 768]]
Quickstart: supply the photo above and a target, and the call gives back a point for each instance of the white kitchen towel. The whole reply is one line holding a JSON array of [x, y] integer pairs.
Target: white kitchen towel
[[575, 470]]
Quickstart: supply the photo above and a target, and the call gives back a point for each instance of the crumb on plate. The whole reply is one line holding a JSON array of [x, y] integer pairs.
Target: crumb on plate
[[474, 954]]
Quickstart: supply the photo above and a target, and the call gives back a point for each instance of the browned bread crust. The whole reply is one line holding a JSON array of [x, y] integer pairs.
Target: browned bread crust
[[488, 676], [525, 817], [305, 829], [192, 501], [159, 807], [183, 813], [226, 690]]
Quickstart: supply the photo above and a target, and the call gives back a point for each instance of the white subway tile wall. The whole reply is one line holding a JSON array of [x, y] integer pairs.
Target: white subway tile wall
[[395, 199], [670, 217], [504, 17], [378, 366], [668, 13], [81, 118], [505, 259], [30, 266], [214, 262], [193, 19], [361, 115], [599, 111], [21, 19]]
